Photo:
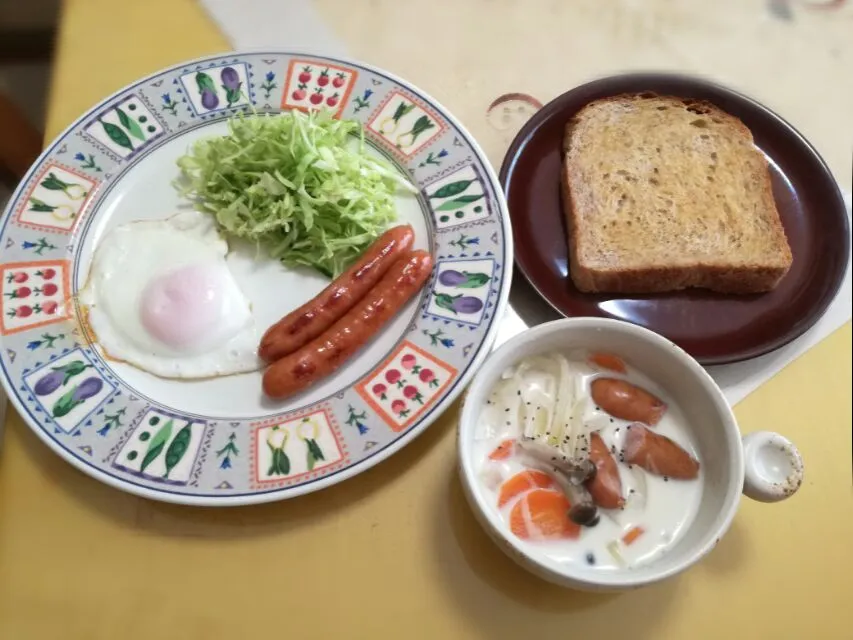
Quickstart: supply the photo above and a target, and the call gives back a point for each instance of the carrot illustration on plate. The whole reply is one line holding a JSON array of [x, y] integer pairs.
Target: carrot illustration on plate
[[503, 450], [523, 482], [608, 361], [658, 454], [542, 514]]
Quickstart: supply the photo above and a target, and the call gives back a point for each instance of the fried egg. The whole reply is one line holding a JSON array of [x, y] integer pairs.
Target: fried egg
[[160, 296]]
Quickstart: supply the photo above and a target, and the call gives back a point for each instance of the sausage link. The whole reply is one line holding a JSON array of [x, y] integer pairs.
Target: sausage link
[[323, 355], [307, 322], [606, 485], [658, 454], [627, 401]]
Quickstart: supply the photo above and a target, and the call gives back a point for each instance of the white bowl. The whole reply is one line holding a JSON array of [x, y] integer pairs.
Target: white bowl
[[765, 466]]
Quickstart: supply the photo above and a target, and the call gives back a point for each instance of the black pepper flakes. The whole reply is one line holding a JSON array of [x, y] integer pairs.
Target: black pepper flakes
[[665, 479], [598, 408], [590, 559], [612, 420], [506, 410]]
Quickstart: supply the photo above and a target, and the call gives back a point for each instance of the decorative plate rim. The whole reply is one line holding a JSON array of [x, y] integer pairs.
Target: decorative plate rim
[[423, 422]]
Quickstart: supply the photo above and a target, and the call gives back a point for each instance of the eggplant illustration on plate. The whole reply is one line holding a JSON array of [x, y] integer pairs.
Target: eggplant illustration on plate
[[463, 279], [76, 396], [58, 377], [207, 89], [458, 304], [231, 83]]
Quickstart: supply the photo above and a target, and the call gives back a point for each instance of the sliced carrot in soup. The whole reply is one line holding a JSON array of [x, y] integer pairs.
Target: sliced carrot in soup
[[523, 482], [503, 450], [632, 535], [543, 514]]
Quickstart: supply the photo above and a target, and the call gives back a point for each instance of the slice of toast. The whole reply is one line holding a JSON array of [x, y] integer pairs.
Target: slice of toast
[[664, 193]]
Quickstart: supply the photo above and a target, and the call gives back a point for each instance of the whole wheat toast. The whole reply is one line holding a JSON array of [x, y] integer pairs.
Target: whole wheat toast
[[663, 193]]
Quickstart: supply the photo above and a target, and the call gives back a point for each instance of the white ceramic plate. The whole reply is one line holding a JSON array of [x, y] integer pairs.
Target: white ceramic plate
[[121, 157]]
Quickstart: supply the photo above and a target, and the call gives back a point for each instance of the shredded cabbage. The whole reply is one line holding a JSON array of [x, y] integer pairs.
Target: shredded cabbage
[[302, 186]]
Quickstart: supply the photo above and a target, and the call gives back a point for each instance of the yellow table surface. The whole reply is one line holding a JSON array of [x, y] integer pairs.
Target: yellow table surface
[[394, 552]]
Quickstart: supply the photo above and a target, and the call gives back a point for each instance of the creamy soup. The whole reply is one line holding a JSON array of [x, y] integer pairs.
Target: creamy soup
[[587, 461]]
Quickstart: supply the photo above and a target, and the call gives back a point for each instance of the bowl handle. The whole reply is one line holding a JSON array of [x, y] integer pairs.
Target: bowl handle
[[773, 467]]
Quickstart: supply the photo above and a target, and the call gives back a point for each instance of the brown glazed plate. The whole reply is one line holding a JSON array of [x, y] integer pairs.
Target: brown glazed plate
[[713, 328]]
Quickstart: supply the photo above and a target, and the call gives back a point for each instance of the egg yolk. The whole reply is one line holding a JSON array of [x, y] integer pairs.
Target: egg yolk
[[183, 307]]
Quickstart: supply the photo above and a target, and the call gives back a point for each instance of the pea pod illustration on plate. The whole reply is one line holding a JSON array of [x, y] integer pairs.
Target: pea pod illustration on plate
[[178, 447], [452, 189], [454, 196], [157, 444], [130, 124], [456, 203], [117, 134]]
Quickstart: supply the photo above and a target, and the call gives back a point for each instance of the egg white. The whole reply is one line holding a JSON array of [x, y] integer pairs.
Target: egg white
[[132, 255]]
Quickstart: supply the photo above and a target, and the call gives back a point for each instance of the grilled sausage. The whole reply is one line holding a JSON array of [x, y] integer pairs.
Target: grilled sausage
[[323, 355], [307, 322]]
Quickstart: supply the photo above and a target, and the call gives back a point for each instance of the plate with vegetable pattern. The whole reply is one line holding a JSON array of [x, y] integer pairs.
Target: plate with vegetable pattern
[[249, 277]]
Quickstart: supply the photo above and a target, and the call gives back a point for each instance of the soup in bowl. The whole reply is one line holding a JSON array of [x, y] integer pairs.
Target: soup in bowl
[[601, 456]]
